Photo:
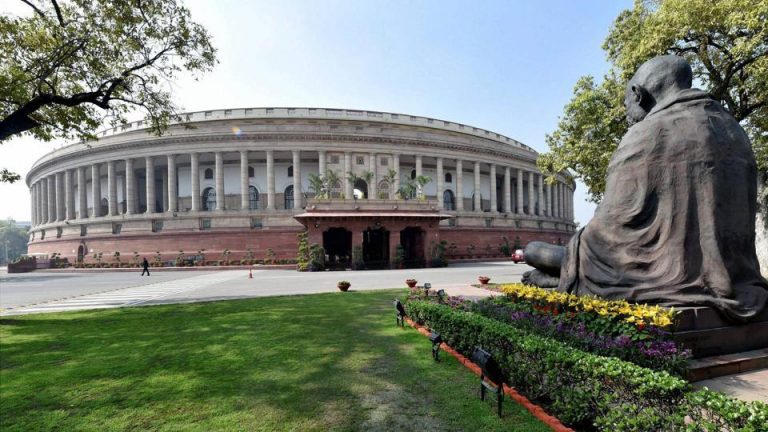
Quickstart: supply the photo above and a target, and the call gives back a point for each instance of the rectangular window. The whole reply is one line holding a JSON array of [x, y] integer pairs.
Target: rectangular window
[[83, 230], [395, 116], [205, 224], [360, 160], [452, 222], [227, 113], [58, 232], [384, 161], [334, 159], [116, 228], [291, 111], [157, 225], [42, 235], [488, 222], [256, 223]]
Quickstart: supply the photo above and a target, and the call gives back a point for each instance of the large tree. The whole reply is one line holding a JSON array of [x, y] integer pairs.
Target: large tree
[[726, 43], [13, 241], [70, 66]]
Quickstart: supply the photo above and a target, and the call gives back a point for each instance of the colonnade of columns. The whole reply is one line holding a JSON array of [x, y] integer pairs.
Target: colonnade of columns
[[61, 196]]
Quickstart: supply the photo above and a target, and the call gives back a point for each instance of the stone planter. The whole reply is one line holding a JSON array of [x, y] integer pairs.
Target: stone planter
[[343, 286], [411, 282], [484, 280]]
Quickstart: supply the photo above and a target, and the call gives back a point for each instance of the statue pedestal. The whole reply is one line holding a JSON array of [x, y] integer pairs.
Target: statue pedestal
[[706, 333]]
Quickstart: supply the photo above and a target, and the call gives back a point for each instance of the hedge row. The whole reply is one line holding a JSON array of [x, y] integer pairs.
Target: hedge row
[[586, 390]]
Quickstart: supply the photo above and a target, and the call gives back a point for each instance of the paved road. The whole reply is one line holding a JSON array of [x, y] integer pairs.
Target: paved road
[[59, 291]]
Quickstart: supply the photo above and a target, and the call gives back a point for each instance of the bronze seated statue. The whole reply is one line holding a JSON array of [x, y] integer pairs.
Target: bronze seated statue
[[677, 222]]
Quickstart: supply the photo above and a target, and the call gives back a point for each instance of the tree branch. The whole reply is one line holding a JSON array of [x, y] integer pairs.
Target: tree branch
[[37, 11], [58, 13]]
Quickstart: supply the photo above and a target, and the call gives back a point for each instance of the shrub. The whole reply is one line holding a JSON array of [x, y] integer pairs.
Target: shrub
[[316, 257], [302, 259], [578, 387], [587, 390]]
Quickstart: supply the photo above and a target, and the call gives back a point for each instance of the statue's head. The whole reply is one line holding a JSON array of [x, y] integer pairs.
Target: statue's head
[[655, 80]]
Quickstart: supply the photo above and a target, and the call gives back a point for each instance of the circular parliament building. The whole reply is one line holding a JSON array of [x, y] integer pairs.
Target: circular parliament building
[[242, 183]]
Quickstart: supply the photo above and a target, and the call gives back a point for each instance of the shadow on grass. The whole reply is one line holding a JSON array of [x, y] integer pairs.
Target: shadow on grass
[[313, 362]]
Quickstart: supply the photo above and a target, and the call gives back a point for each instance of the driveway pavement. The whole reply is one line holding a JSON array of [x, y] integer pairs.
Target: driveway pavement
[[60, 290]]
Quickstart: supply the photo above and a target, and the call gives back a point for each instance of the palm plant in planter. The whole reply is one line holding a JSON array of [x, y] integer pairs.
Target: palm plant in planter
[[343, 285]]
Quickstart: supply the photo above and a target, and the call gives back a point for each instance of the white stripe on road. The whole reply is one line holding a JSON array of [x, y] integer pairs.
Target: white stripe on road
[[130, 296]]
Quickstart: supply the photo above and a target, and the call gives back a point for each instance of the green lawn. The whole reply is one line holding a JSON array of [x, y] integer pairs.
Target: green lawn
[[316, 362]]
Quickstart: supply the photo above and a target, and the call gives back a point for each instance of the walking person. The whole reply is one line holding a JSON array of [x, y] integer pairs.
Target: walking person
[[145, 265]]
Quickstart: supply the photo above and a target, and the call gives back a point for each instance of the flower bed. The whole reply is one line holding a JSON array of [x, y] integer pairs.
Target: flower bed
[[636, 314], [647, 346], [586, 390]]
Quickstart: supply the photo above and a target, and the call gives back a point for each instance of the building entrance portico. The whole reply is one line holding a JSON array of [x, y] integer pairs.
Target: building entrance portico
[[377, 227]]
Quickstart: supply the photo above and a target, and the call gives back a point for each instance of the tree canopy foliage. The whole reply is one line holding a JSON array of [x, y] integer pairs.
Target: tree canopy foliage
[[69, 66], [13, 241], [726, 43]]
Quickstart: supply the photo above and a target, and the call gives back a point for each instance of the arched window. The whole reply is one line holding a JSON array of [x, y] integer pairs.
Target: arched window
[[290, 171], [449, 203], [253, 198], [413, 174], [288, 197], [250, 172], [209, 199], [448, 178], [208, 174], [384, 189]]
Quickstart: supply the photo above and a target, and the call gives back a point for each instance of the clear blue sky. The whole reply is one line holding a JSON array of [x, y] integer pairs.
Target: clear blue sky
[[507, 66]]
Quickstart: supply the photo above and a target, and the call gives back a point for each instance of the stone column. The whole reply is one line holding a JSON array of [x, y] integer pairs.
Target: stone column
[[298, 195], [150, 163], [531, 195], [372, 188], [111, 188], [32, 203], [96, 190], [322, 163], [540, 186], [130, 188], [396, 168], [271, 180], [520, 204], [478, 200], [549, 200], [440, 183], [507, 190], [418, 166], [82, 200], [173, 192], [69, 195], [459, 185], [45, 200], [59, 196], [494, 203], [194, 178], [244, 183], [219, 175], [347, 169], [558, 201], [163, 190]]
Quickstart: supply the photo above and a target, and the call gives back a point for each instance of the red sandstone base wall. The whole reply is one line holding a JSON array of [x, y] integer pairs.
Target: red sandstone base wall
[[462, 243]]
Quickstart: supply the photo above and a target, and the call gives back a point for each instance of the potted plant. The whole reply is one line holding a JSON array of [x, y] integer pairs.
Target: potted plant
[[484, 280], [411, 282], [343, 285]]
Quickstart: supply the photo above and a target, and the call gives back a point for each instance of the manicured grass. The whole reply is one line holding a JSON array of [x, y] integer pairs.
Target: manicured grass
[[319, 362]]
